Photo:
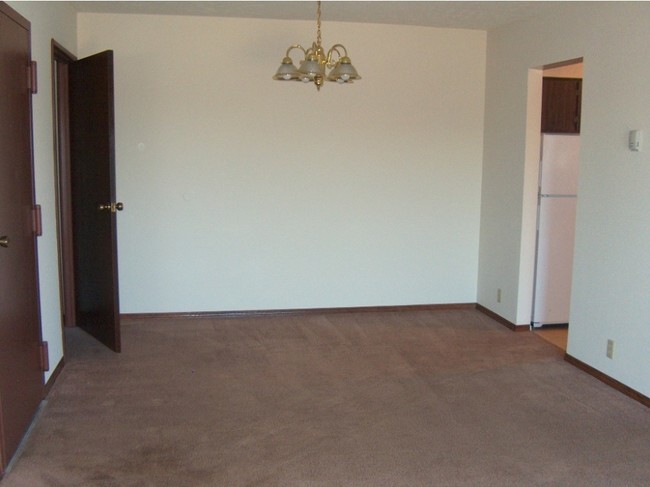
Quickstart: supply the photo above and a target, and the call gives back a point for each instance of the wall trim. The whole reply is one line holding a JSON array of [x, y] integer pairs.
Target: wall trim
[[53, 376], [298, 311], [501, 319], [15, 16], [610, 381]]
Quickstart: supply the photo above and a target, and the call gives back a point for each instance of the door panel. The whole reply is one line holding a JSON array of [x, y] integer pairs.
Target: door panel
[[92, 154], [21, 377]]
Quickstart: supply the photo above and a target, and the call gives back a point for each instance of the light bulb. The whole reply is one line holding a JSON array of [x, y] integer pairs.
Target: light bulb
[[287, 76], [345, 77]]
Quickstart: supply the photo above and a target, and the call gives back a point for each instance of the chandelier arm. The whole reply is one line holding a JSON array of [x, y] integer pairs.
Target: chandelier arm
[[335, 49], [296, 46], [311, 50]]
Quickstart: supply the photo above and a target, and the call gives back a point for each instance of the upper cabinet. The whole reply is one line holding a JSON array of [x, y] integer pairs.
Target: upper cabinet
[[561, 98]]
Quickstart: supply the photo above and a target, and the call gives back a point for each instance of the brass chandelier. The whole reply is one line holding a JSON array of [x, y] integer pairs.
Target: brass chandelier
[[315, 62]]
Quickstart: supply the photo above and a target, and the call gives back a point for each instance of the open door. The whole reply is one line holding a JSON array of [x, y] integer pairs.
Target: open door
[[92, 163], [21, 372]]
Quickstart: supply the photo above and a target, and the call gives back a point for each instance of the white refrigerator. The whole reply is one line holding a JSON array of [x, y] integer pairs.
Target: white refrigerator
[[556, 217]]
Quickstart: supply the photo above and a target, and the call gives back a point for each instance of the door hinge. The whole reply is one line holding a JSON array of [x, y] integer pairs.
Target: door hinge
[[37, 221], [45, 357], [32, 77]]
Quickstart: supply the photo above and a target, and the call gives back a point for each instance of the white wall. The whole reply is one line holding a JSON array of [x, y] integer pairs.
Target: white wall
[[48, 20], [611, 278], [245, 193]]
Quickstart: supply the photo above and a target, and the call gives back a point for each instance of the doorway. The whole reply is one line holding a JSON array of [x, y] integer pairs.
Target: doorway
[[556, 200]]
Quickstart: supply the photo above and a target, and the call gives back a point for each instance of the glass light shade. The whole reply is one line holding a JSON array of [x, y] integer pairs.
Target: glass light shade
[[286, 71], [343, 72], [310, 68]]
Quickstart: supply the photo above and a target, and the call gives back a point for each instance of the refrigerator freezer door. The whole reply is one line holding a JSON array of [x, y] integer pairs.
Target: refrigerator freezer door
[[553, 274], [559, 169]]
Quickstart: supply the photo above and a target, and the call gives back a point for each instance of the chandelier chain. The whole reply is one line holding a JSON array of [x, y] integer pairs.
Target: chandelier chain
[[318, 35]]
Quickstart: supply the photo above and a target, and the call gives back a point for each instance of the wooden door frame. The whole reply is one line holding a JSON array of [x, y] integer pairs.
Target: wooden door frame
[[61, 58]]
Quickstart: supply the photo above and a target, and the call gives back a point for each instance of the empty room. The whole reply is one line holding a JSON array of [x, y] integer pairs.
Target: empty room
[[304, 243]]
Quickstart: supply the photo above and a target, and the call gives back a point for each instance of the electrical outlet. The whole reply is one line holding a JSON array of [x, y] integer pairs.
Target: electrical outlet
[[610, 348], [498, 295]]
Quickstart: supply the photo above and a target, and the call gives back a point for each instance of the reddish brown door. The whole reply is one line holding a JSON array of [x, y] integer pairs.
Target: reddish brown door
[[92, 161], [21, 377]]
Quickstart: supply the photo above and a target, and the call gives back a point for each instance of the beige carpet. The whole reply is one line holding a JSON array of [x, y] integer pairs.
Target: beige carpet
[[443, 398]]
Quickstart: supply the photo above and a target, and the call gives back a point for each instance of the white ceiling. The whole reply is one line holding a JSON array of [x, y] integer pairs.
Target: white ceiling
[[482, 15]]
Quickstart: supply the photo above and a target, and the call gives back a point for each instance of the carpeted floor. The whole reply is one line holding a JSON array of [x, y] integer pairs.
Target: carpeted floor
[[440, 398]]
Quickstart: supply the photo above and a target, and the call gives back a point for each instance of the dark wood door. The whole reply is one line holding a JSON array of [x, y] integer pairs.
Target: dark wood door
[[21, 376], [561, 102], [92, 161]]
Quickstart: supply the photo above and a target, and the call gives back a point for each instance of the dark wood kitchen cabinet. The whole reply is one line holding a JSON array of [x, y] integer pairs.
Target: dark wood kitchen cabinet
[[561, 99]]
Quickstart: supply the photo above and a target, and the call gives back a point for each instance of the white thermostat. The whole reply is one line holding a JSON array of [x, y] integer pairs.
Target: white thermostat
[[634, 142]]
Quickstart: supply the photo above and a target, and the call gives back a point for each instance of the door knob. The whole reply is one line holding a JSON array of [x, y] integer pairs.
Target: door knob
[[4, 242], [112, 207]]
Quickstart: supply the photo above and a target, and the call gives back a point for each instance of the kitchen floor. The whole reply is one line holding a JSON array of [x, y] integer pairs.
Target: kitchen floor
[[555, 335]]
